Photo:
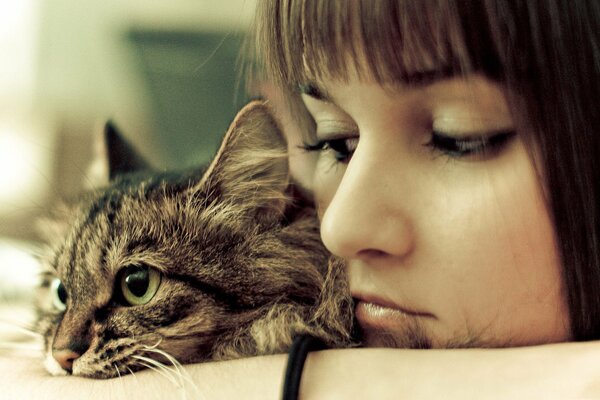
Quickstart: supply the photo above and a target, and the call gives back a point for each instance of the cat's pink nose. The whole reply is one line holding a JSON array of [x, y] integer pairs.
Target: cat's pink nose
[[65, 358]]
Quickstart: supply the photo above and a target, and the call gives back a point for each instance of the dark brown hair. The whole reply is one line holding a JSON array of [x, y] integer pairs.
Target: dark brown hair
[[545, 52]]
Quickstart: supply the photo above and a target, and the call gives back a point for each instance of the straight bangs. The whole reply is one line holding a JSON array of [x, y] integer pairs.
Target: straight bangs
[[391, 41]]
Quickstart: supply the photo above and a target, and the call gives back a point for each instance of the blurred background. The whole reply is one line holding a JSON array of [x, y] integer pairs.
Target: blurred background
[[165, 72]]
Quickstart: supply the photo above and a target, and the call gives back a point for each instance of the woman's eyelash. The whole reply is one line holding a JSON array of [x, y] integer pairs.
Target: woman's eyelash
[[342, 148], [449, 145], [457, 147]]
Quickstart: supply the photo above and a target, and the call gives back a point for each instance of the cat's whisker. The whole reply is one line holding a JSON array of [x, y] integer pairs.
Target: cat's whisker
[[167, 376], [160, 366], [146, 347], [168, 356], [163, 367], [131, 372], [120, 378], [117, 368], [183, 375], [161, 372]]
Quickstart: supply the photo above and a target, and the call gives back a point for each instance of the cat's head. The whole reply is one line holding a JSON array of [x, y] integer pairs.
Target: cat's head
[[157, 264]]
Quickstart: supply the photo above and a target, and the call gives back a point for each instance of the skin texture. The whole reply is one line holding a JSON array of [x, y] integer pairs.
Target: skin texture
[[443, 249]]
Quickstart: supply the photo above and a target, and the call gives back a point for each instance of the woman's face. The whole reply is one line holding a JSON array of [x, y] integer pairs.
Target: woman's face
[[430, 195]]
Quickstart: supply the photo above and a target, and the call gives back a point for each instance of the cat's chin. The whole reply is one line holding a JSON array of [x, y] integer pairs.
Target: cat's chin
[[52, 366]]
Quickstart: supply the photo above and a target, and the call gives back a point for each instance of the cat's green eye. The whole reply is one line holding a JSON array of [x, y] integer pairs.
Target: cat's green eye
[[139, 284], [58, 294]]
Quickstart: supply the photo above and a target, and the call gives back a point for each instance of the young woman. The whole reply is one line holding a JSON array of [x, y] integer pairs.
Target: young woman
[[456, 167], [451, 150]]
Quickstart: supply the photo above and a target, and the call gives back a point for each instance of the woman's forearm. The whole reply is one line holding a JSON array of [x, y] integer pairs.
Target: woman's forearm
[[562, 371], [252, 378], [554, 371]]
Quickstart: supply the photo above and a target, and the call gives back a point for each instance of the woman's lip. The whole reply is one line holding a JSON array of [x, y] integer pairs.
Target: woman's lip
[[379, 308], [380, 316]]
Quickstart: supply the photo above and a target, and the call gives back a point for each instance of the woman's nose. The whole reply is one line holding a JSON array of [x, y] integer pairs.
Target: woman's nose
[[369, 214]]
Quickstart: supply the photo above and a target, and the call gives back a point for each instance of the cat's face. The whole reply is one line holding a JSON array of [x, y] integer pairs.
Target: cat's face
[[159, 266]]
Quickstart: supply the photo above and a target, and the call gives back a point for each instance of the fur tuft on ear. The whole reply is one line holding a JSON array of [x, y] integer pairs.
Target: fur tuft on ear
[[251, 166]]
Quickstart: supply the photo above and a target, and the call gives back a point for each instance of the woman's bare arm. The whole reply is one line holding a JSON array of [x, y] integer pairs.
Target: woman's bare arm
[[553, 371], [252, 378], [563, 371]]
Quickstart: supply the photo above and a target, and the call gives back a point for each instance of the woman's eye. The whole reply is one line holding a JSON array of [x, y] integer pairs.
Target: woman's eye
[[469, 146], [138, 284], [58, 294], [342, 149]]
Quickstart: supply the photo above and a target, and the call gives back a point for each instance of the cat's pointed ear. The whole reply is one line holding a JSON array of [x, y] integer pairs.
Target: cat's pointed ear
[[122, 157], [113, 156], [251, 167]]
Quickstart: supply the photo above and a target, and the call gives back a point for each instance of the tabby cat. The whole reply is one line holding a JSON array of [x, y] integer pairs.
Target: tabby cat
[[191, 267]]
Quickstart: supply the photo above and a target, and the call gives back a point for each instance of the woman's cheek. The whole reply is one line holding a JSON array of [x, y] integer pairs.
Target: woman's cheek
[[495, 240]]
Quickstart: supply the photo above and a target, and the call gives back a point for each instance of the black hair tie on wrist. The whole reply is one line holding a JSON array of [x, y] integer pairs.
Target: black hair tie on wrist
[[302, 345]]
